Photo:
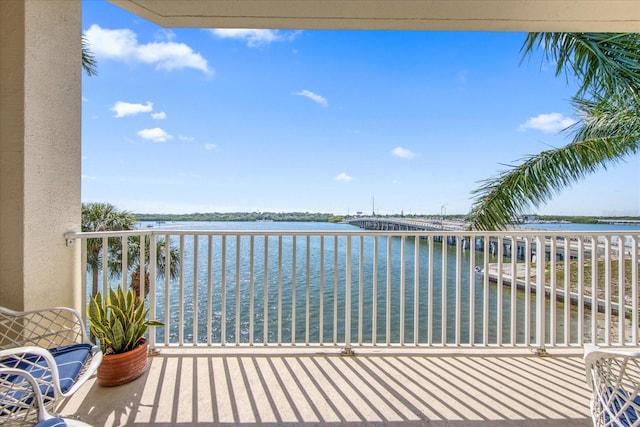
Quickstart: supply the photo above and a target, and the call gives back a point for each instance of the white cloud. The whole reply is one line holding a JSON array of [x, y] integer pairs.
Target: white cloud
[[123, 109], [253, 37], [165, 34], [88, 177], [403, 153], [155, 134], [314, 97], [185, 138], [344, 177], [123, 45], [210, 147], [552, 122], [159, 116]]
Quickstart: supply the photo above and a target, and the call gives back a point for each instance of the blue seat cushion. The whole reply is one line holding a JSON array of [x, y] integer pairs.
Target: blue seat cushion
[[630, 415], [70, 359], [52, 422]]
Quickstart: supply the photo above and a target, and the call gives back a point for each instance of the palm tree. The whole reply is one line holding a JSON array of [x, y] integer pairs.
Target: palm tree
[[136, 267], [608, 103], [103, 217]]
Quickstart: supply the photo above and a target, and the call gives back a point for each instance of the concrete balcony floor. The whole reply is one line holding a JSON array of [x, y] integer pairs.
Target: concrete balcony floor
[[318, 387]]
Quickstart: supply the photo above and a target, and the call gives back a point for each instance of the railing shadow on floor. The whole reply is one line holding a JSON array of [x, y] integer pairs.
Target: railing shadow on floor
[[219, 388]]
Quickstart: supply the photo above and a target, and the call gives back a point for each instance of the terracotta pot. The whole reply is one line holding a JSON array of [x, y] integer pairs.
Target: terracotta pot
[[117, 369]]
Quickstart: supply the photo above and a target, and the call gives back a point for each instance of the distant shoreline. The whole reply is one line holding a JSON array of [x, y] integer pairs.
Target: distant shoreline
[[330, 217], [244, 217], [586, 219]]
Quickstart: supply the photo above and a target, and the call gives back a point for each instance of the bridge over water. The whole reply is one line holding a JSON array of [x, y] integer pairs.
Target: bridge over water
[[409, 224], [554, 242], [438, 224]]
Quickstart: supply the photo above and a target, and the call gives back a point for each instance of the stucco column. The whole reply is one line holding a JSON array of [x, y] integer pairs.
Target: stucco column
[[40, 96]]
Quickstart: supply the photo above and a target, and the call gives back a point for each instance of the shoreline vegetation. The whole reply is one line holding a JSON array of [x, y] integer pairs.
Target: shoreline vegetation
[[564, 290], [571, 283], [333, 218]]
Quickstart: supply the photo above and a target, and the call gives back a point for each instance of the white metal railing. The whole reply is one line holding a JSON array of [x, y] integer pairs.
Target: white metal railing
[[380, 288]]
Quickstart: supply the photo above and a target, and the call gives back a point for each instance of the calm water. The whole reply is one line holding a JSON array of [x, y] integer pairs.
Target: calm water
[[320, 281]]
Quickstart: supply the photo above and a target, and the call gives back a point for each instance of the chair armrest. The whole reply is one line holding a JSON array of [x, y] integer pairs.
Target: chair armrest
[[48, 328], [39, 364], [88, 370], [20, 394], [613, 375], [593, 353]]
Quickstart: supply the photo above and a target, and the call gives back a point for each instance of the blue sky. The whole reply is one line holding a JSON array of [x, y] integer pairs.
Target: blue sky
[[204, 120]]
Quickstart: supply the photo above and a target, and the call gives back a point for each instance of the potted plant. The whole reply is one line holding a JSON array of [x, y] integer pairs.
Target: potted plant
[[119, 322]]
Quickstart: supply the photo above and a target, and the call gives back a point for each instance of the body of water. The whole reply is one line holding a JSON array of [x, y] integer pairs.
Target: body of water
[[288, 278]]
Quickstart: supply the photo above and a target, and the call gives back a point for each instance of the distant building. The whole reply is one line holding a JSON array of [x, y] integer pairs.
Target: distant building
[[528, 218]]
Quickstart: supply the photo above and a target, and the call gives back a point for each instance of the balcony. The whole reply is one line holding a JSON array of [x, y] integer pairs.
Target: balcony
[[399, 387], [260, 326]]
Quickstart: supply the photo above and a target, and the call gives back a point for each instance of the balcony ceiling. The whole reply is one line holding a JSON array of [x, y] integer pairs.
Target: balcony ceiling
[[475, 15]]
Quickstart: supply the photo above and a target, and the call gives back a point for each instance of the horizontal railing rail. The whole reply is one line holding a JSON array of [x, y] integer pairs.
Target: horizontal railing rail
[[348, 289]]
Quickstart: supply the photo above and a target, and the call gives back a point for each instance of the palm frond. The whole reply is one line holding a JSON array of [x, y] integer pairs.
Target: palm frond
[[602, 117], [608, 64], [605, 62], [89, 63], [134, 259], [103, 217], [98, 216], [607, 134]]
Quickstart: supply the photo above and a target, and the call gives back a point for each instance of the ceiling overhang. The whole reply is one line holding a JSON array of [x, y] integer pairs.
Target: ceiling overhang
[[470, 15]]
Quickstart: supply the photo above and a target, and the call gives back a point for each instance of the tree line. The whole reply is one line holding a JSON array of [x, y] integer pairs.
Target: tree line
[[244, 216]]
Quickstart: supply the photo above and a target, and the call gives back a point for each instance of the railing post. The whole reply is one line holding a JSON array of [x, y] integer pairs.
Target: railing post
[[181, 308], [125, 258], [195, 303], [347, 351], [83, 278], [540, 296], [104, 254], [223, 290], [152, 284], [633, 255]]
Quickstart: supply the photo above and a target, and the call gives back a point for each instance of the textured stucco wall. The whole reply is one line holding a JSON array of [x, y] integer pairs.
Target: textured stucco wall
[[39, 151], [11, 151]]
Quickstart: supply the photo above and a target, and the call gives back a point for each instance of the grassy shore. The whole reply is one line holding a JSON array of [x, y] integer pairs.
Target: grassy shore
[[559, 274], [587, 289], [601, 269]]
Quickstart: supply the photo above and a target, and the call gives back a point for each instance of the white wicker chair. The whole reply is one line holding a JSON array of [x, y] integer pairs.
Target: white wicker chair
[[21, 390], [614, 378], [48, 346]]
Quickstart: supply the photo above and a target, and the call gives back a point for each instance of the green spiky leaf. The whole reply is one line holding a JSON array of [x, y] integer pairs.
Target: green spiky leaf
[[119, 321]]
